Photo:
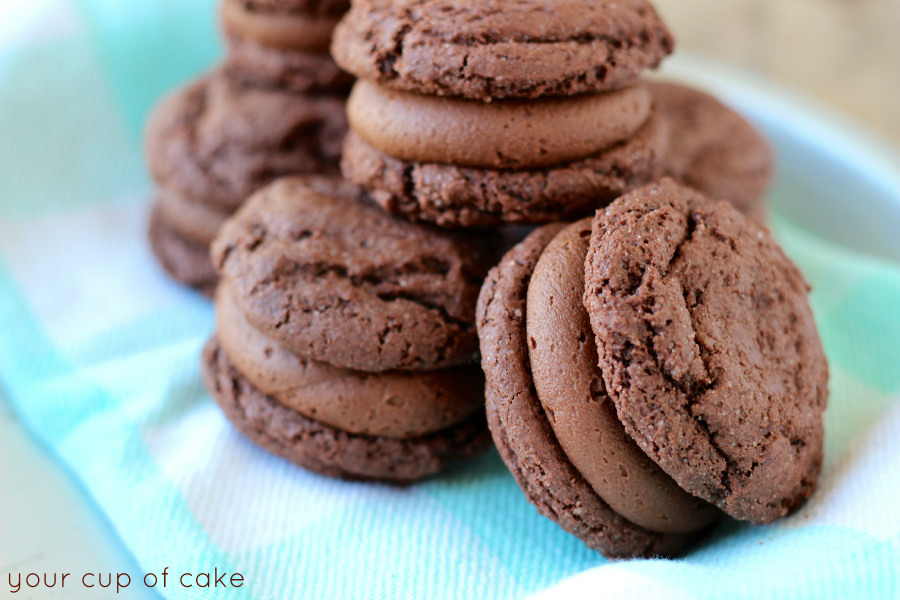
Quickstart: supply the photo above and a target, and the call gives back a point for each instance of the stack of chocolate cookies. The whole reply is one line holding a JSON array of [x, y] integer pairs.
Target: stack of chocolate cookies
[[275, 107], [620, 390], [648, 368], [480, 113], [346, 338]]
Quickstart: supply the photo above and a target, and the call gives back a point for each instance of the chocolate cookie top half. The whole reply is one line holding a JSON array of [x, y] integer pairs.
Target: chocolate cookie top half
[[708, 348], [501, 48], [217, 141], [334, 279]]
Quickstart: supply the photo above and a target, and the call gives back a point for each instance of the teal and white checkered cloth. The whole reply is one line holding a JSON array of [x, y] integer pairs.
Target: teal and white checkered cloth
[[99, 359]]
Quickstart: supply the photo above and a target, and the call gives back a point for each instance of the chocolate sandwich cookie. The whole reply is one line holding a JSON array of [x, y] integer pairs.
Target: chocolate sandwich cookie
[[317, 8], [284, 44], [497, 135], [192, 220], [521, 427], [556, 411], [475, 114], [328, 450], [715, 150], [336, 279], [392, 403], [463, 163], [708, 349], [493, 50], [345, 337], [212, 144]]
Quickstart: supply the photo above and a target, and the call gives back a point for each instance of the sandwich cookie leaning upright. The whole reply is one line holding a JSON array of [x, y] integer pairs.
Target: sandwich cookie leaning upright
[[212, 144], [345, 338], [708, 349], [481, 113], [652, 367]]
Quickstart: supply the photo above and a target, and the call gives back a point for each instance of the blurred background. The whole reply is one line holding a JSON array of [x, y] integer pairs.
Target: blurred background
[[843, 53]]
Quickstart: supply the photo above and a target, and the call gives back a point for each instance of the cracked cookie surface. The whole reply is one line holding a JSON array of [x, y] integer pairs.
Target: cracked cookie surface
[[708, 349], [501, 49], [335, 279]]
